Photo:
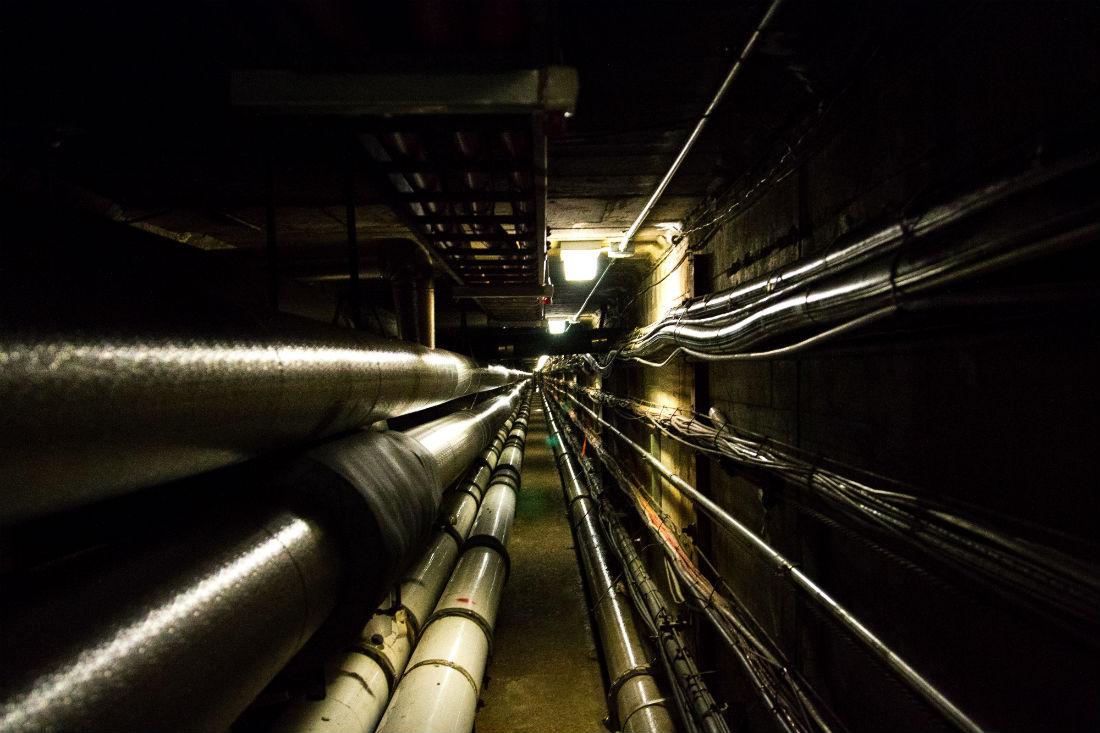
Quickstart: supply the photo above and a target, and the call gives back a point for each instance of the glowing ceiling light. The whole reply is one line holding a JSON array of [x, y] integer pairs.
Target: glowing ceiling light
[[556, 325], [580, 264]]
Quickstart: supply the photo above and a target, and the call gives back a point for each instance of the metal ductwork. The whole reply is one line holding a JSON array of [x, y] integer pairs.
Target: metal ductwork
[[89, 415], [132, 638]]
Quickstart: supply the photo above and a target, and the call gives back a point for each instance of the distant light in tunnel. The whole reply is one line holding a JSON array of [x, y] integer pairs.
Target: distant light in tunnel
[[580, 264], [541, 362], [556, 325]]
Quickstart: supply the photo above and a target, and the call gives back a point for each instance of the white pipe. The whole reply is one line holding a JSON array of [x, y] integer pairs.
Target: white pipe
[[440, 689], [358, 684]]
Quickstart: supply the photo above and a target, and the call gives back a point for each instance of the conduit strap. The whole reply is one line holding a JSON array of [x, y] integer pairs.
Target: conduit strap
[[446, 663], [617, 684], [469, 616], [661, 702]]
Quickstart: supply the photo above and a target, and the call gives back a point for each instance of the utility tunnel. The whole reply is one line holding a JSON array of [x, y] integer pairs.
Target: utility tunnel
[[549, 366]]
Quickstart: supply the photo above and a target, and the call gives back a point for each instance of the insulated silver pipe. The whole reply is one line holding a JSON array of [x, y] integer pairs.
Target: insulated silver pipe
[[800, 580], [440, 687], [188, 629], [87, 417], [639, 705]]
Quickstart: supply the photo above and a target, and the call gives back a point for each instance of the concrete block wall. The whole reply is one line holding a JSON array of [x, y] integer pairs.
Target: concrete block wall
[[999, 413]]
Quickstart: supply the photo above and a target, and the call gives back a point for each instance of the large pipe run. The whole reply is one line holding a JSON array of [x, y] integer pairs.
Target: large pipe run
[[188, 630], [91, 416], [439, 690], [359, 683], [639, 705]]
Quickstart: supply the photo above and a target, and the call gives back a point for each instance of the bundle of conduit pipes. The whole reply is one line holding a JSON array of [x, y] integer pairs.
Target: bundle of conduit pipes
[[192, 625], [979, 547], [786, 570], [638, 702], [916, 263]]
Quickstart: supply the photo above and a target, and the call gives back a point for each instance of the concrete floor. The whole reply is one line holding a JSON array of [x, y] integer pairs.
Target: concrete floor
[[545, 672]]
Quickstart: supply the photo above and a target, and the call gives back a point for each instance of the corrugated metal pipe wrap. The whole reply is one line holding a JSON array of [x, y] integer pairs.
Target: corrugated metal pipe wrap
[[89, 416], [439, 690], [637, 699], [359, 681], [130, 640]]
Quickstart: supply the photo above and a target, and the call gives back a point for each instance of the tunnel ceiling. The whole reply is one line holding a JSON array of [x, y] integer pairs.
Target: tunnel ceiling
[[145, 130]]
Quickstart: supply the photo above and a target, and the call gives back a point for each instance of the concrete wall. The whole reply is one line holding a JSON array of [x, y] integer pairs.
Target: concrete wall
[[998, 412]]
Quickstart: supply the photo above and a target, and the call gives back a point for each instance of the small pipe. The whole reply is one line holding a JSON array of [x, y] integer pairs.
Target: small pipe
[[732, 74], [854, 626], [639, 705]]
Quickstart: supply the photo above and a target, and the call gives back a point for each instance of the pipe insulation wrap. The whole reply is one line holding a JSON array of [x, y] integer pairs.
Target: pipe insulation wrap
[[129, 640], [92, 416]]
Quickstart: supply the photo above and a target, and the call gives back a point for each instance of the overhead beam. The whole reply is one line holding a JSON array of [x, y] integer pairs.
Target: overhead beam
[[282, 92], [510, 291]]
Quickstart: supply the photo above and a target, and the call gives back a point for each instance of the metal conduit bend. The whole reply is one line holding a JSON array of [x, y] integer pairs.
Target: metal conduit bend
[[913, 679], [360, 681], [132, 640], [87, 417], [637, 700], [439, 690]]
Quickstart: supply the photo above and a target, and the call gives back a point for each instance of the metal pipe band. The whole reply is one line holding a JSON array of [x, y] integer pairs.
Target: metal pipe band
[[936, 699], [439, 692], [127, 641], [92, 416], [623, 648]]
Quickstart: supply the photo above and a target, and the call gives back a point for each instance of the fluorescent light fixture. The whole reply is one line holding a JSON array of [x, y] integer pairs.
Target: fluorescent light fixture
[[556, 325], [580, 264], [541, 362]]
